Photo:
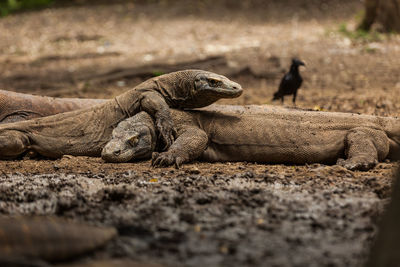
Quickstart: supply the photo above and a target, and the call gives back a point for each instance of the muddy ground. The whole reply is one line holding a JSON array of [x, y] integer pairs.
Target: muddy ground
[[222, 214]]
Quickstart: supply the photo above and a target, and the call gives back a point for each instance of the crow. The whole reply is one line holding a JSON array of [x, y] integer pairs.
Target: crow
[[291, 82]]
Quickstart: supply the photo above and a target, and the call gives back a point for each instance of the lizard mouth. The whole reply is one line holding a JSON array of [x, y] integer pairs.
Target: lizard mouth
[[212, 84], [126, 156], [111, 157], [235, 92], [232, 91], [114, 152]]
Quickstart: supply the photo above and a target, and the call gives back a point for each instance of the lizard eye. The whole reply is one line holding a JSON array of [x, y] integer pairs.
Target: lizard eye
[[133, 140], [214, 83]]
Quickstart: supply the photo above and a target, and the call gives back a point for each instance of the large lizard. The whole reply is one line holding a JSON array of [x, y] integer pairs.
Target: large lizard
[[261, 134], [85, 131], [32, 241]]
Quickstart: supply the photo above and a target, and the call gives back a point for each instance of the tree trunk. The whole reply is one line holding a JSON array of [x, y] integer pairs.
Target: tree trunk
[[385, 250], [384, 12]]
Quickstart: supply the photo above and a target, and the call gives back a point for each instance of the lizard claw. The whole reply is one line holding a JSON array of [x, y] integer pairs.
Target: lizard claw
[[154, 158], [178, 162], [166, 159], [162, 159], [357, 163]]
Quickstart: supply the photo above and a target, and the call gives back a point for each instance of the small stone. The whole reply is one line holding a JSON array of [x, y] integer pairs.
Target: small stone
[[194, 170], [121, 83], [197, 228], [248, 174], [260, 221], [223, 249]]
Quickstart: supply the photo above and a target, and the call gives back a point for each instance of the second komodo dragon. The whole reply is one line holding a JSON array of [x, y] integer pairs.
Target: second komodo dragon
[[261, 134], [84, 132]]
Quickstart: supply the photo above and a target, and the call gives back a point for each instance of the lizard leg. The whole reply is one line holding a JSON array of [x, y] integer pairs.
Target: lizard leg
[[12, 144], [155, 105], [364, 147], [189, 145]]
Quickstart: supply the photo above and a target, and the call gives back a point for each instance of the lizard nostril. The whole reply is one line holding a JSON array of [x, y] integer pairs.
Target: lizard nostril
[[117, 152]]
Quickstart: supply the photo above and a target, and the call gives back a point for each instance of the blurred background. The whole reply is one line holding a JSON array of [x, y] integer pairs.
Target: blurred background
[[99, 49]]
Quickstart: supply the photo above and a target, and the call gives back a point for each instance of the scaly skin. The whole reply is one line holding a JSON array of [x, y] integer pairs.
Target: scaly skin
[[267, 134], [27, 239], [17, 106], [84, 132]]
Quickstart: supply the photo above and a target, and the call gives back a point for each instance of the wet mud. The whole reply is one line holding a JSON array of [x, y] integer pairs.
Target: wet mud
[[235, 214]]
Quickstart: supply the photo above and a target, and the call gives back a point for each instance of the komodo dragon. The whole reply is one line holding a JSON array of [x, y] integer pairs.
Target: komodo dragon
[[261, 134], [84, 132], [17, 106], [31, 241]]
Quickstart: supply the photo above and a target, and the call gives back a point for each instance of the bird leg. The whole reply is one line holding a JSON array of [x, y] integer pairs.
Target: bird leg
[[294, 98]]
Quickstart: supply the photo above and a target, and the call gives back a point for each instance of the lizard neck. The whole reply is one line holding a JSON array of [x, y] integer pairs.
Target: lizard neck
[[177, 88]]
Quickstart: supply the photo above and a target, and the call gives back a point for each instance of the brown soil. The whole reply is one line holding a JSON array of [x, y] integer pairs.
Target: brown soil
[[222, 214]]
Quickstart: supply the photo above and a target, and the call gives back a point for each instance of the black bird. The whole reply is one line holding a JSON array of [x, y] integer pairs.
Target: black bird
[[291, 82]]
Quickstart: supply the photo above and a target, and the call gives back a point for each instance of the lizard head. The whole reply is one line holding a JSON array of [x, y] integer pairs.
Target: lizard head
[[133, 138], [203, 88], [196, 88], [214, 85]]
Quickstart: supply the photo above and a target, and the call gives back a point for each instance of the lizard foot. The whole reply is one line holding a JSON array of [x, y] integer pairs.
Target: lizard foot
[[166, 159], [31, 154], [12, 145], [357, 163], [167, 132]]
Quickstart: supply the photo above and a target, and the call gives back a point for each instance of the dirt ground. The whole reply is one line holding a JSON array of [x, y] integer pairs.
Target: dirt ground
[[222, 214]]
